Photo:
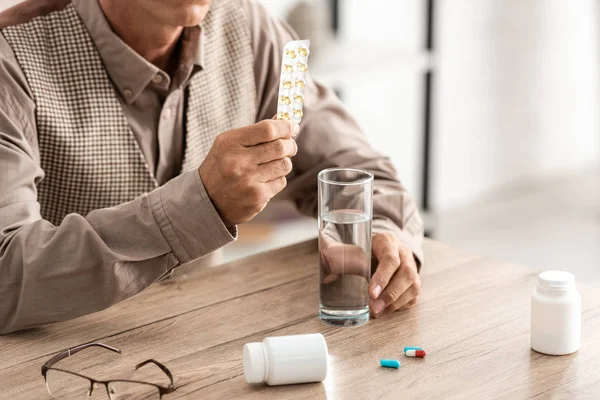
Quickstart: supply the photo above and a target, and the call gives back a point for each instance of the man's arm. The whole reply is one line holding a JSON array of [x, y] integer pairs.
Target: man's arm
[[50, 273], [329, 137]]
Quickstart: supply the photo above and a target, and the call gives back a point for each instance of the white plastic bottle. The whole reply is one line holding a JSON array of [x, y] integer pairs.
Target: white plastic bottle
[[283, 360], [555, 314]]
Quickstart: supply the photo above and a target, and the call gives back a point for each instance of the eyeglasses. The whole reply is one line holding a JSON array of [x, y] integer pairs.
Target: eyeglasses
[[65, 385]]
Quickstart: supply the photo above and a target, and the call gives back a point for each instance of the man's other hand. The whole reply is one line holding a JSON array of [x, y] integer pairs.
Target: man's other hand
[[396, 283], [340, 258], [246, 167]]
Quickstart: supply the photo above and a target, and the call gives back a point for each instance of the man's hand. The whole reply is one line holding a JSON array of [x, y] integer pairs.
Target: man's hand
[[396, 282], [246, 167], [339, 258]]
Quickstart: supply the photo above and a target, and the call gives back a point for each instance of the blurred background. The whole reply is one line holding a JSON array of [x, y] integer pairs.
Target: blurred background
[[489, 109]]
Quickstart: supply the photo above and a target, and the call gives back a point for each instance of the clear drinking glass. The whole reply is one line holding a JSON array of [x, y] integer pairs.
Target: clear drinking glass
[[345, 215]]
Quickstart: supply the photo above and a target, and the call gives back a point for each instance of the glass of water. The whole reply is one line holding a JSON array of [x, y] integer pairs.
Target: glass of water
[[345, 215]]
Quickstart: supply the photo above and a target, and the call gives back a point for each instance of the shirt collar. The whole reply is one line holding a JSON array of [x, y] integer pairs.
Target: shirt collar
[[192, 51], [129, 71]]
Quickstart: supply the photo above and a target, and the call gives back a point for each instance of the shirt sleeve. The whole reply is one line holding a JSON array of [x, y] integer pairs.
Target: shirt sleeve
[[87, 263], [329, 137]]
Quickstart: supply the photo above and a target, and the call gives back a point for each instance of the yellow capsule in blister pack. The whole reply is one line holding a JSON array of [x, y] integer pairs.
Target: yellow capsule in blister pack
[[290, 53], [303, 51], [294, 69], [301, 67]]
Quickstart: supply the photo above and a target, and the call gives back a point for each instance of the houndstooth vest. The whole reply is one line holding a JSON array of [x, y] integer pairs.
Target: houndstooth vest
[[88, 152]]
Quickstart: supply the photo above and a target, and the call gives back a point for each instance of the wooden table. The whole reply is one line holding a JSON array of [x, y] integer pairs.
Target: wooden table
[[473, 319]]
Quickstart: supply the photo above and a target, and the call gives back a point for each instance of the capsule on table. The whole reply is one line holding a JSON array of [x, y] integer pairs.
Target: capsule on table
[[389, 363], [412, 348], [415, 353]]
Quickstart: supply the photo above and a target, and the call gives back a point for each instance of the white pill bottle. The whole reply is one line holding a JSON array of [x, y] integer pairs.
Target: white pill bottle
[[555, 314], [283, 360]]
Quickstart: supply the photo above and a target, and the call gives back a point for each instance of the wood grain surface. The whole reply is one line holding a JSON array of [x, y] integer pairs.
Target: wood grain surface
[[472, 318]]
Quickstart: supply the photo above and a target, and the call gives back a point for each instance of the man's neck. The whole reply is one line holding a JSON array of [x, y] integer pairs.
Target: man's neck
[[152, 40]]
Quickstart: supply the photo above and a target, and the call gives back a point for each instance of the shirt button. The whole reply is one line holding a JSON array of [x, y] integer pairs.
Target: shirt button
[[128, 92], [157, 78]]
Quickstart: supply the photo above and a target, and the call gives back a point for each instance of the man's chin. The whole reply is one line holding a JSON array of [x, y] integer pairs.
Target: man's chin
[[195, 14]]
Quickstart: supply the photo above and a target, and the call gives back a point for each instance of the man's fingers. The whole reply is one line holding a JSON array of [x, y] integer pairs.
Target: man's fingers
[[330, 278], [407, 259], [267, 131], [397, 287], [274, 150], [325, 240], [404, 287], [409, 295], [396, 306], [275, 186], [411, 303], [382, 243], [402, 303], [274, 169], [346, 259], [386, 251], [388, 265]]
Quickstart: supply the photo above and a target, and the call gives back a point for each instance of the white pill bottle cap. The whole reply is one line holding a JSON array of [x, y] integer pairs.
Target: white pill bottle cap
[[283, 360], [255, 363], [555, 314], [556, 280]]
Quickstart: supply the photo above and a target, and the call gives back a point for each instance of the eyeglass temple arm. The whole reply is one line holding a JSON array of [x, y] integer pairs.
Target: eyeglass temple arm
[[69, 352], [159, 365]]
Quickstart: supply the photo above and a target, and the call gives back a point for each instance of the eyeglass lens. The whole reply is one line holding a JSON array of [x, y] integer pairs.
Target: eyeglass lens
[[66, 386]]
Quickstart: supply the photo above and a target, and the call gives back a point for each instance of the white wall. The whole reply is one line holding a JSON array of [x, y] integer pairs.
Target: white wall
[[378, 67], [385, 92], [517, 93]]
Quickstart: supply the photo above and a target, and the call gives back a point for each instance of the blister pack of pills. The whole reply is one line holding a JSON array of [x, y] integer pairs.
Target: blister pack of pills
[[294, 70]]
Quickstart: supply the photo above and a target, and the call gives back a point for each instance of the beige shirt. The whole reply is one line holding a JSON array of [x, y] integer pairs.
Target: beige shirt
[[123, 249]]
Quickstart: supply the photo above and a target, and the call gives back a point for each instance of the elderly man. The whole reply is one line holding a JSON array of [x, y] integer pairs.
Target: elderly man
[[135, 135]]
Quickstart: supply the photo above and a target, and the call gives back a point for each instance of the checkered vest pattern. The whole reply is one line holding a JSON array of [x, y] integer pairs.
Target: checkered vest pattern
[[88, 152]]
